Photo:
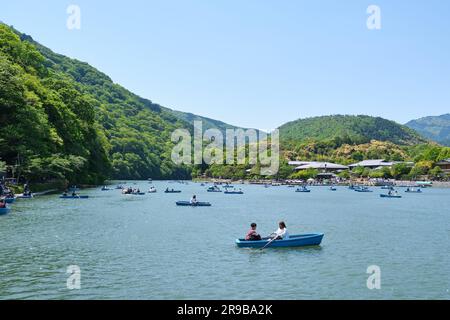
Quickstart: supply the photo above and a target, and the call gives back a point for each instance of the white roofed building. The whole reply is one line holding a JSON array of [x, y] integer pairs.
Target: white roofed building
[[323, 166], [372, 164]]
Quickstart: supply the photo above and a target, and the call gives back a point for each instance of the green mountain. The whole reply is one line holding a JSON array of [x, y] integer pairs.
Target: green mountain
[[435, 128], [348, 129], [207, 123], [61, 118]]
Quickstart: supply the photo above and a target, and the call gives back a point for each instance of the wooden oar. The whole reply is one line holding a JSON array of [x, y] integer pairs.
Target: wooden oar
[[269, 242]]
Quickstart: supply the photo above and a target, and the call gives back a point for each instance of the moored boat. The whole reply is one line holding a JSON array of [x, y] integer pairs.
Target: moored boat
[[301, 240], [196, 204]]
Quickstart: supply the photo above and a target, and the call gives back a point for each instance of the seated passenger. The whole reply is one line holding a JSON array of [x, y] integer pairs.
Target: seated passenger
[[252, 235]]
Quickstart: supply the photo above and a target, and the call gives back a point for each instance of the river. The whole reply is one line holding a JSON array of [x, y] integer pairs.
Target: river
[[145, 247]]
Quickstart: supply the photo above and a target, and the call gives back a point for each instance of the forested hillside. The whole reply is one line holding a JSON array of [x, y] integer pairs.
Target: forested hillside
[[61, 118], [348, 129], [435, 128]]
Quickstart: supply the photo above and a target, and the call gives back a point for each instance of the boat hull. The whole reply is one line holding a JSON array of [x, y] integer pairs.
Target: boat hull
[[188, 204], [4, 211], [388, 196], [72, 197], [10, 200], [304, 240]]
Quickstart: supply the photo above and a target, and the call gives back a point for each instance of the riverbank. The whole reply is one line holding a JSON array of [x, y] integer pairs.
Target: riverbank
[[398, 183]]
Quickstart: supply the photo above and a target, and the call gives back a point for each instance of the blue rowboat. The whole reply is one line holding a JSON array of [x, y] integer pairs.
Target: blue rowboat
[[300, 240], [363, 189], [4, 211], [233, 192], [10, 200], [74, 197], [303, 190], [172, 191], [189, 204], [390, 196], [138, 193], [333, 189]]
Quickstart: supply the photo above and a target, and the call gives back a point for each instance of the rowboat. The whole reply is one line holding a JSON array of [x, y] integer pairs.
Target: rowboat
[[138, 193], [333, 189], [390, 196], [74, 197], [152, 190], [362, 189], [4, 211], [189, 204], [10, 200], [303, 190], [413, 191], [233, 192], [301, 240], [172, 191], [106, 189]]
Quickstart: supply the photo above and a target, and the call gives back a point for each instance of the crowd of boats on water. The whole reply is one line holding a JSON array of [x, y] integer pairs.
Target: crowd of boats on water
[[8, 198]]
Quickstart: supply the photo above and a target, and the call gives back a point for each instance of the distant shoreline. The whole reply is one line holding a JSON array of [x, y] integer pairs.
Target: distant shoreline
[[395, 183]]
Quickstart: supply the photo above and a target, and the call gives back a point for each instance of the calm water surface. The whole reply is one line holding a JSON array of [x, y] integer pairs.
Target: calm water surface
[[131, 247]]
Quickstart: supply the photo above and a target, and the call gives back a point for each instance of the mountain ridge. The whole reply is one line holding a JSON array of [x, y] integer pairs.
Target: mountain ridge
[[436, 128], [350, 129]]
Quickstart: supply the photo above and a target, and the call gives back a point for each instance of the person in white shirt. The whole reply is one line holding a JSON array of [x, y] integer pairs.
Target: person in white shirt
[[281, 233], [194, 199]]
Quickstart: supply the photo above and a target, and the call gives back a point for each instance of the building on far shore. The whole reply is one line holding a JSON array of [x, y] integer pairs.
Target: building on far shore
[[321, 166], [372, 164], [444, 165]]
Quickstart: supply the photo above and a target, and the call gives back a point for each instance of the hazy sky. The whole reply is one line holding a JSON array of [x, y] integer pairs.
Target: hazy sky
[[259, 63]]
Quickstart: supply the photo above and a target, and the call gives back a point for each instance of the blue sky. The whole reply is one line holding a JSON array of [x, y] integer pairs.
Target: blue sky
[[259, 63]]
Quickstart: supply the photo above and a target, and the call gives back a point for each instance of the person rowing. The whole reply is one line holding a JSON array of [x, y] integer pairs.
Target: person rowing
[[281, 233], [194, 199]]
